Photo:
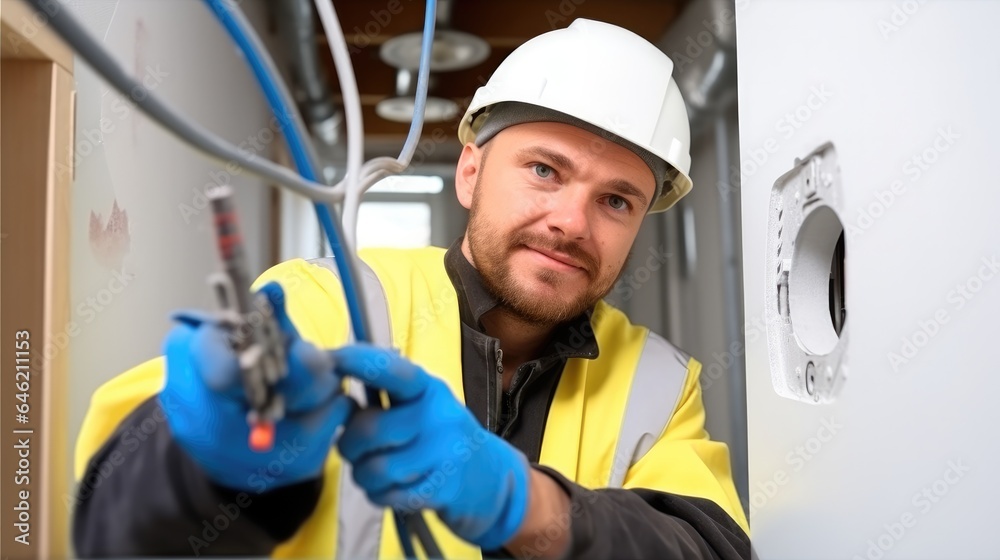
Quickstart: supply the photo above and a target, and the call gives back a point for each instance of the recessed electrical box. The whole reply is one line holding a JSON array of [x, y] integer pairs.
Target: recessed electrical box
[[806, 309]]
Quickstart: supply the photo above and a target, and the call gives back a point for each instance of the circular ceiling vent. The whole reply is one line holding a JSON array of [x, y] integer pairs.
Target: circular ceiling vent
[[400, 109], [451, 50]]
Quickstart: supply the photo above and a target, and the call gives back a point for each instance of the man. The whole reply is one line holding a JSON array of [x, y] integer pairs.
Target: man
[[528, 417]]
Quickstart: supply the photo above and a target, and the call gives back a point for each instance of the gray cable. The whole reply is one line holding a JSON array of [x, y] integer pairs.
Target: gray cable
[[66, 26]]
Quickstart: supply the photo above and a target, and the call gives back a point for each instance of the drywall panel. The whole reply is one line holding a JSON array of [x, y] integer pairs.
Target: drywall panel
[[901, 462]]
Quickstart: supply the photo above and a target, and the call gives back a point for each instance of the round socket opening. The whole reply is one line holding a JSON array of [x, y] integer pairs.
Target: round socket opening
[[816, 296]]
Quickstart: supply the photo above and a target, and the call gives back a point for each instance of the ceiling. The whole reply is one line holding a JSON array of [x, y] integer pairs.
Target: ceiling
[[504, 24]]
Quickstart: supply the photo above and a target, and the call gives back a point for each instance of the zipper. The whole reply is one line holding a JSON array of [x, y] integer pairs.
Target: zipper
[[499, 392], [496, 387], [513, 399], [508, 405]]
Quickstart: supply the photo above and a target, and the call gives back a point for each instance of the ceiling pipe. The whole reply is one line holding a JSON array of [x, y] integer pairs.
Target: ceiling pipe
[[297, 29], [702, 44], [444, 10]]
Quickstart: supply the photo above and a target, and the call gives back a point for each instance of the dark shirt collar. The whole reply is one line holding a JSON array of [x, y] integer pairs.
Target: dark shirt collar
[[474, 300], [572, 339]]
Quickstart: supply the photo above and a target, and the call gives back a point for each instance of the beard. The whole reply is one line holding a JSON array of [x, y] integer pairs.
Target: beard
[[491, 254]]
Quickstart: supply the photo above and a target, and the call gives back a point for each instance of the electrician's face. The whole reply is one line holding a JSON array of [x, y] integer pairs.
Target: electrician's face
[[552, 217]]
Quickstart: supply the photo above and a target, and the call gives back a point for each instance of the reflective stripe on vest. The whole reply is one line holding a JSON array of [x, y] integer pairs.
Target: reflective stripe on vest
[[660, 374], [603, 409], [359, 522]]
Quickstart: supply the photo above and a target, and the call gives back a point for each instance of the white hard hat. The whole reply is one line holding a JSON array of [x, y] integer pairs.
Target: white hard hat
[[603, 75]]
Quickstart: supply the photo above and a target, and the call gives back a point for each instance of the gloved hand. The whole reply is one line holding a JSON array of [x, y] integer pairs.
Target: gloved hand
[[206, 409], [428, 451]]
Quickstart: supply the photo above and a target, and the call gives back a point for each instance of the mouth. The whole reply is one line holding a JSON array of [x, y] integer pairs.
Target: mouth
[[556, 260]]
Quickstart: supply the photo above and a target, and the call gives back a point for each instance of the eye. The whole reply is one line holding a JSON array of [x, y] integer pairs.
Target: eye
[[542, 170], [618, 203]]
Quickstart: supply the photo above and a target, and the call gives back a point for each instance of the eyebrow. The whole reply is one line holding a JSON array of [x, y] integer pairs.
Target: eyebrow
[[619, 185], [545, 153], [626, 188]]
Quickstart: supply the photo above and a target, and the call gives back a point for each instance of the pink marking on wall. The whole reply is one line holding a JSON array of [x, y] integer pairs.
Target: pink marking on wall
[[110, 241]]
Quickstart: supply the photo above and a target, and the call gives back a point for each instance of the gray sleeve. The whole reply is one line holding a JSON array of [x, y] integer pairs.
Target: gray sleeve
[[642, 523], [141, 495]]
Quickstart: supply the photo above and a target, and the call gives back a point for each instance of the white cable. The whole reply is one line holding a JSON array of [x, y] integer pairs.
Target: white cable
[[352, 110], [359, 178]]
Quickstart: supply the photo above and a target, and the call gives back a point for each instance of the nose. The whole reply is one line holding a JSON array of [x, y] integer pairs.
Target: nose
[[569, 214]]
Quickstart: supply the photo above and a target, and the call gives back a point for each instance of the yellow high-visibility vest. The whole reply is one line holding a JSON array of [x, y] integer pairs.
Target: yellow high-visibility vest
[[631, 418]]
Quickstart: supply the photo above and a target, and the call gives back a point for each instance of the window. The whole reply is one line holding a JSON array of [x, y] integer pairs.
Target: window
[[398, 211], [394, 224], [413, 184]]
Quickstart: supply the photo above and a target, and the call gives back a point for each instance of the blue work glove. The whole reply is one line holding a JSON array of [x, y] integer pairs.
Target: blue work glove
[[206, 408], [428, 451]]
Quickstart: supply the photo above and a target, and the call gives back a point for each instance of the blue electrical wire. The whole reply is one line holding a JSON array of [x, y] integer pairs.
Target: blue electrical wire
[[305, 162], [423, 79]]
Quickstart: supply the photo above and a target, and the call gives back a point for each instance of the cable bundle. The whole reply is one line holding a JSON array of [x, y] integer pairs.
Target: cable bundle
[[359, 176]]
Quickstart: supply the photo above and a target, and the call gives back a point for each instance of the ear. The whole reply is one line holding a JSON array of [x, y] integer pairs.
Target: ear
[[467, 174]]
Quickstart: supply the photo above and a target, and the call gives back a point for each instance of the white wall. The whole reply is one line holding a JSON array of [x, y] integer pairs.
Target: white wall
[[168, 248], [903, 464]]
